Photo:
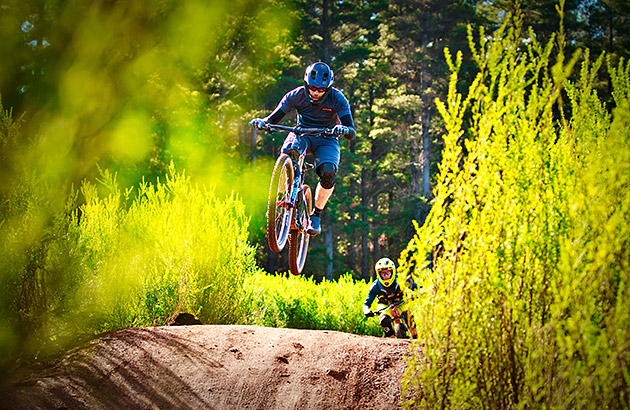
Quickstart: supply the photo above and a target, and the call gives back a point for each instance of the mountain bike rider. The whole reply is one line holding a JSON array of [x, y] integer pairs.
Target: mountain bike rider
[[318, 105], [387, 291]]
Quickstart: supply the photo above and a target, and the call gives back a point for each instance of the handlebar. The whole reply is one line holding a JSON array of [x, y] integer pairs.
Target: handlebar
[[389, 306], [298, 130]]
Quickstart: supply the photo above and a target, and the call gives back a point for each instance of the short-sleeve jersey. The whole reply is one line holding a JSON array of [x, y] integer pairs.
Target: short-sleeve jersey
[[324, 114]]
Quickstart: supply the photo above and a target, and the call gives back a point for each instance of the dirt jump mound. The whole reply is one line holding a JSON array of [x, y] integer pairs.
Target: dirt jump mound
[[220, 367]]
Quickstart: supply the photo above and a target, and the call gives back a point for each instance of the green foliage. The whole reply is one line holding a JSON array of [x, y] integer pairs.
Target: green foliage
[[134, 86], [299, 302], [176, 248], [529, 236], [119, 260], [131, 87]]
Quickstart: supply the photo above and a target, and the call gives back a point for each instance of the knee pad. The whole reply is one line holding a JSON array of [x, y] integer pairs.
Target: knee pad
[[327, 172]]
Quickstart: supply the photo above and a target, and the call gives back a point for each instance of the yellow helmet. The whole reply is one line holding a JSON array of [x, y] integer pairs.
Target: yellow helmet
[[385, 271]]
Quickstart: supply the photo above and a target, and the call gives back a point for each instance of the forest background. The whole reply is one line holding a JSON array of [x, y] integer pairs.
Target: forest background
[[132, 88], [122, 122]]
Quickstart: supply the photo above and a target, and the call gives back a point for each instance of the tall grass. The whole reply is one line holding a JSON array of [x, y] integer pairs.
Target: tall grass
[[530, 233], [120, 259], [175, 247], [298, 302]]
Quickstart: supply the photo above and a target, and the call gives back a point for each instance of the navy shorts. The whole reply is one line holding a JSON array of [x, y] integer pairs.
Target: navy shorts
[[324, 149]]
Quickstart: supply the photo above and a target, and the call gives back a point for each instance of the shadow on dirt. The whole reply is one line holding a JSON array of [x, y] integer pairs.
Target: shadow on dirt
[[220, 367]]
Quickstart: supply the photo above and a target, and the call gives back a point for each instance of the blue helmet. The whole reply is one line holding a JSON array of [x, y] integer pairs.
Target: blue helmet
[[318, 75]]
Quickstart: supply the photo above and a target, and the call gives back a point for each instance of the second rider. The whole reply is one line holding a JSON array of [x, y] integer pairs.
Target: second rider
[[318, 105]]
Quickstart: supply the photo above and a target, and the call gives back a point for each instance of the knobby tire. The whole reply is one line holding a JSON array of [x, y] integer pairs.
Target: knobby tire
[[299, 239], [401, 331], [278, 214]]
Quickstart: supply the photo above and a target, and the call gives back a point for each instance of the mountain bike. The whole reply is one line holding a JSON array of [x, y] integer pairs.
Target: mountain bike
[[401, 326], [290, 199]]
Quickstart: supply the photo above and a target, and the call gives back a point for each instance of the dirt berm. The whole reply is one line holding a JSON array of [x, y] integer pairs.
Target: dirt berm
[[219, 367]]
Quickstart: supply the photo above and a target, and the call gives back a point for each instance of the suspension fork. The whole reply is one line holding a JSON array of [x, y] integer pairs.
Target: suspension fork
[[297, 181], [298, 166]]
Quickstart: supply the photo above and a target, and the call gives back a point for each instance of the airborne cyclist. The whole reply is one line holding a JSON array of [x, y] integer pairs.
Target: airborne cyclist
[[317, 104]]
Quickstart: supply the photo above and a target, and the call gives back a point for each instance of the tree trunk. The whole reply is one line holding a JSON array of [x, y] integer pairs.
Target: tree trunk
[[253, 145], [365, 271], [351, 257], [365, 268], [425, 119], [375, 228], [376, 251], [325, 32], [426, 150], [328, 244]]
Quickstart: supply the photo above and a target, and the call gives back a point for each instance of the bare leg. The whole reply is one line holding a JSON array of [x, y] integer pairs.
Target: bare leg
[[321, 196]]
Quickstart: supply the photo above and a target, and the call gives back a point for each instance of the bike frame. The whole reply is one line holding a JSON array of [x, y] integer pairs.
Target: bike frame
[[299, 166], [294, 206], [397, 318]]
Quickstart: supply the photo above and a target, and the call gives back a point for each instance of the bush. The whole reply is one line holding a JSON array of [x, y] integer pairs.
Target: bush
[[175, 248], [298, 302], [530, 235], [116, 261]]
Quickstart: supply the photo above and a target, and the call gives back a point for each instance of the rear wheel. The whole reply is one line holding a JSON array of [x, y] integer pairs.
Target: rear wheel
[[278, 206], [298, 243]]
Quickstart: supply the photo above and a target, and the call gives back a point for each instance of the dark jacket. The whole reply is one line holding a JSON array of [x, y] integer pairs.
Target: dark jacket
[[386, 295]]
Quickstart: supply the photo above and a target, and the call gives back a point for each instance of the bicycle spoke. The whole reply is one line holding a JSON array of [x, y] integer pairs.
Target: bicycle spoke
[[299, 239], [278, 206]]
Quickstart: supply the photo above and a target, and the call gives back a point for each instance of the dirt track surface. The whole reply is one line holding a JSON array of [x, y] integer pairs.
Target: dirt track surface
[[220, 367]]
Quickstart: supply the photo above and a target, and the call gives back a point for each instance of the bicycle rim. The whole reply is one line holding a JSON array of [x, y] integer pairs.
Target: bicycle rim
[[278, 207], [298, 242]]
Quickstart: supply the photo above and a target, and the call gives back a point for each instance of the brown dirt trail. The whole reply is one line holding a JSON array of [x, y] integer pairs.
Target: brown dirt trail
[[220, 367]]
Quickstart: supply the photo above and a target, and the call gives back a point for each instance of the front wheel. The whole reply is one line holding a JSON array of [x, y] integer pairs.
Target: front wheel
[[400, 330], [298, 242], [278, 204]]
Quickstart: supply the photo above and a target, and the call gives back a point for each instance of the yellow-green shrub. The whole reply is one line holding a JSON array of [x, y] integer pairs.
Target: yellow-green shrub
[[530, 234], [175, 248], [299, 302], [120, 260]]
